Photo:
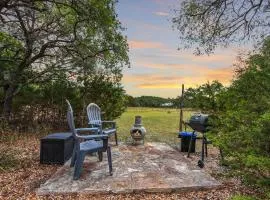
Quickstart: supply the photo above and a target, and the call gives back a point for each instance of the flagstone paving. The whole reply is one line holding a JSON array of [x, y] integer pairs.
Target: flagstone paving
[[154, 167]]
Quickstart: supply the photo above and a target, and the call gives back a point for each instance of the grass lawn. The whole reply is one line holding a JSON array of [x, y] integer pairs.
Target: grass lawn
[[161, 124]]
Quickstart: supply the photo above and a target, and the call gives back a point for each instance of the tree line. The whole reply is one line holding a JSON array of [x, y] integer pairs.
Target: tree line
[[151, 101]]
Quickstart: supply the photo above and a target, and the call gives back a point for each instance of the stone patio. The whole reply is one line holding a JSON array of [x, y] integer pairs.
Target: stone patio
[[154, 167]]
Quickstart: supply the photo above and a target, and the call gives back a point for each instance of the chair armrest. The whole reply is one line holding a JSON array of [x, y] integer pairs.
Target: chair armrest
[[87, 130], [92, 137], [110, 122], [95, 124]]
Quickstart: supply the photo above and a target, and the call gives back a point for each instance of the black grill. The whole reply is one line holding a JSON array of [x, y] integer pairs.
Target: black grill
[[199, 122]]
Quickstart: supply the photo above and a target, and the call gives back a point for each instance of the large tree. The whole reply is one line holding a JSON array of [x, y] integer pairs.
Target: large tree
[[243, 129], [206, 97], [206, 24], [41, 38]]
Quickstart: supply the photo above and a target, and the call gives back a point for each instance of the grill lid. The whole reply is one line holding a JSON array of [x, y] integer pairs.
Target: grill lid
[[198, 122]]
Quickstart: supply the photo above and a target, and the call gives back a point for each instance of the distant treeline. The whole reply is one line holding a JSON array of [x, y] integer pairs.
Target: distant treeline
[[152, 101], [190, 100]]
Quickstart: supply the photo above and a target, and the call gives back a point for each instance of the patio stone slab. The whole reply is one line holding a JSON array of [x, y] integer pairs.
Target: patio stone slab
[[154, 167]]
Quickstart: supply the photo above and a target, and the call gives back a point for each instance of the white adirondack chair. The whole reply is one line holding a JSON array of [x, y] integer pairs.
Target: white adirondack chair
[[94, 117]]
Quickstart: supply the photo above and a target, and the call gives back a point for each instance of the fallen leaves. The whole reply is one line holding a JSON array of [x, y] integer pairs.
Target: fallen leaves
[[22, 181]]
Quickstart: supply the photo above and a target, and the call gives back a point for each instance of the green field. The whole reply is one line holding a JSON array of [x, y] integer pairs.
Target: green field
[[161, 124]]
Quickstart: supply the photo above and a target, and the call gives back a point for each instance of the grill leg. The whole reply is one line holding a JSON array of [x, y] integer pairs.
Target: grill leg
[[190, 144], [204, 148], [201, 161], [206, 151]]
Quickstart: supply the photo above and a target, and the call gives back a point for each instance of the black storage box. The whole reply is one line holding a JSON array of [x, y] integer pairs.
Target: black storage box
[[185, 139], [56, 148]]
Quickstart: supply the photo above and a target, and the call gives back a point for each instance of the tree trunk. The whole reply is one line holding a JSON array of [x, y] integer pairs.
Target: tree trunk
[[8, 99], [221, 156]]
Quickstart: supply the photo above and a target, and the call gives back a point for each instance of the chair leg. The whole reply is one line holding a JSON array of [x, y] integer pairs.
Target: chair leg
[[73, 158], [116, 140], [100, 156], [78, 165], [109, 159]]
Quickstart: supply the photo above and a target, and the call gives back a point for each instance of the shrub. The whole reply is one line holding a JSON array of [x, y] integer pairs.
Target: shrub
[[8, 160], [241, 197]]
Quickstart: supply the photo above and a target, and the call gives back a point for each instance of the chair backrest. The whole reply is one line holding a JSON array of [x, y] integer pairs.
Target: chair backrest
[[93, 113], [70, 119]]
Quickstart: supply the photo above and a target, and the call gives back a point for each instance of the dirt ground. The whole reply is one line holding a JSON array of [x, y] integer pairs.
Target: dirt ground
[[21, 182]]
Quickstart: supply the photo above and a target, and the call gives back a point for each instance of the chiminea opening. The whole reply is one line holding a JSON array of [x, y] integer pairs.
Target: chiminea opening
[[137, 134]]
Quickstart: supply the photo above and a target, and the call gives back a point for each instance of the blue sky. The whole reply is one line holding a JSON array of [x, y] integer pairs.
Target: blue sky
[[157, 67]]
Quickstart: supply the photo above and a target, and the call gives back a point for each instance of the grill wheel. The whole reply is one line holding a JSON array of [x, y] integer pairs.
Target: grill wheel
[[200, 163]]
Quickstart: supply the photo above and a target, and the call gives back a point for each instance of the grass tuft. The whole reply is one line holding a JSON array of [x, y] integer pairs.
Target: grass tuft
[[242, 197], [8, 160]]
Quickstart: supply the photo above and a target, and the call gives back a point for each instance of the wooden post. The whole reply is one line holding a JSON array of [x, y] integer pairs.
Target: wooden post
[[181, 109]]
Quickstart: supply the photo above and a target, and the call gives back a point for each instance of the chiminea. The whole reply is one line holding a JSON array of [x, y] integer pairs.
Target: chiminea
[[138, 131]]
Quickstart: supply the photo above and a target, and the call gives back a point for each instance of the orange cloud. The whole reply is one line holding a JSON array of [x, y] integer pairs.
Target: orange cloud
[[221, 57], [157, 85], [149, 78], [136, 44], [166, 65], [151, 65], [201, 76], [223, 75]]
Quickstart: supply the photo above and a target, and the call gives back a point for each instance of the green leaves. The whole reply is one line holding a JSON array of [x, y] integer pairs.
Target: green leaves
[[245, 122], [204, 25], [241, 116], [205, 97], [49, 38]]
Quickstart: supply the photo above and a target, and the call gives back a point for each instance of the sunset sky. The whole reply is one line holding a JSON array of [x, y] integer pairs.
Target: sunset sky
[[157, 67]]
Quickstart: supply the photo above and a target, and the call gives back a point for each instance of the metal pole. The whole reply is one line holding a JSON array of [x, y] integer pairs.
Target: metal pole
[[181, 109]]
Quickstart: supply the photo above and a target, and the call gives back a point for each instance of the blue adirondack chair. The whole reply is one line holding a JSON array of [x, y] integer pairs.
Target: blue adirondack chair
[[90, 144], [94, 117]]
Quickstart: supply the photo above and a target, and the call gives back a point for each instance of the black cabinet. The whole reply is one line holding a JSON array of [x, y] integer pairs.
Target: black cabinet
[[56, 148]]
